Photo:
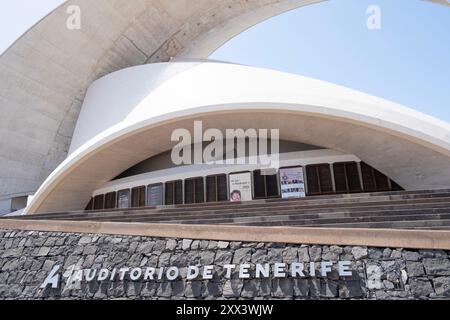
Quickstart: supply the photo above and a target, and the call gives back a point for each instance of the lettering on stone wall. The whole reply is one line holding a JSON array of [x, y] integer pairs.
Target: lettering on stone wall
[[74, 276]]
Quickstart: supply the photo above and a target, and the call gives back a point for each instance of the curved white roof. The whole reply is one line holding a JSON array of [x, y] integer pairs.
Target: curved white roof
[[128, 116]]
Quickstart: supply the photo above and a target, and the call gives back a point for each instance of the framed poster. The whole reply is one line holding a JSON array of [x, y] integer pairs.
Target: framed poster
[[123, 199], [155, 195], [241, 187], [292, 183]]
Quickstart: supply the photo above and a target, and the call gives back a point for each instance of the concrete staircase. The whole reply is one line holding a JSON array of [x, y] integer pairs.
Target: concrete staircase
[[397, 210]]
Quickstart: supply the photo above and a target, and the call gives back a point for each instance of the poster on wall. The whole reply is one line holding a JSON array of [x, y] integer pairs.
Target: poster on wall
[[155, 195], [123, 199], [241, 187], [292, 183]]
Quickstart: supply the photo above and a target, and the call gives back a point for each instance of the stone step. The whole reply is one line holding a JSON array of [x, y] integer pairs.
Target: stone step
[[374, 210], [436, 228], [416, 207], [339, 220], [417, 224], [309, 219], [273, 216], [292, 218], [330, 199], [279, 206]]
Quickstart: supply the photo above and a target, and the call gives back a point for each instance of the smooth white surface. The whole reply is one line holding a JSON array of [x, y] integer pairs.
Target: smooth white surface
[[128, 97]]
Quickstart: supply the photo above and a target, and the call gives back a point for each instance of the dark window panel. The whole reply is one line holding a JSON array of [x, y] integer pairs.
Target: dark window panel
[[326, 183], [110, 200], [199, 190], [142, 201], [259, 185], [346, 177], [179, 192], [99, 202], [395, 186], [189, 191], [138, 197], [272, 186], [222, 188], [312, 178], [134, 198], [174, 193], [169, 193], [90, 205], [265, 186], [211, 189], [319, 179], [340, 178], [354, 182], [375, 181], [368, 178], [194, 191], [381, 181]]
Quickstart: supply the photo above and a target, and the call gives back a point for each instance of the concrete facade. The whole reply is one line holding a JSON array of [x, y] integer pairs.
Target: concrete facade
[[10, 205], [45, 74]]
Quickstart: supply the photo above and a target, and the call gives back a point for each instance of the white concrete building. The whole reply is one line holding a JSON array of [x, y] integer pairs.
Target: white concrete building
[[81, 107]]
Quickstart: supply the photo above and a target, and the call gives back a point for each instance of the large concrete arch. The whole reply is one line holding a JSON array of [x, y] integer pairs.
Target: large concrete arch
[[45, 74], [129, 116]]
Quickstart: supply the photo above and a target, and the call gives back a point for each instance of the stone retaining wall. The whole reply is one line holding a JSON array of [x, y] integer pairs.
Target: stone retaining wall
[[27, 258]]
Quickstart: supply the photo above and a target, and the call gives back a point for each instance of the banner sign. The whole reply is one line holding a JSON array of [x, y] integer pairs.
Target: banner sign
[[292, 183], [241, 187], [155, 195], [123, 199]]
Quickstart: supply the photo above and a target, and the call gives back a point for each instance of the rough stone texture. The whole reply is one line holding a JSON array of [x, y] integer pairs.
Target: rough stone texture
[[442, 286], [437, 267], [26, 258]]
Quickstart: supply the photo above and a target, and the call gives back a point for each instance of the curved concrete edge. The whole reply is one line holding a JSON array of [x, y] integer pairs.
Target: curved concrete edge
[[224, 88], [196, 83], [390, 238]]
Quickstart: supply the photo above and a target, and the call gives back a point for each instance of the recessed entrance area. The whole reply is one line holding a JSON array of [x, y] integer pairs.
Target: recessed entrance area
[[313, 180]]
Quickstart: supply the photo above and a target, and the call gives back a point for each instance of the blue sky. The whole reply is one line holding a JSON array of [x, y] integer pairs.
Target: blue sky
[[17, 16], [407, 61]]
